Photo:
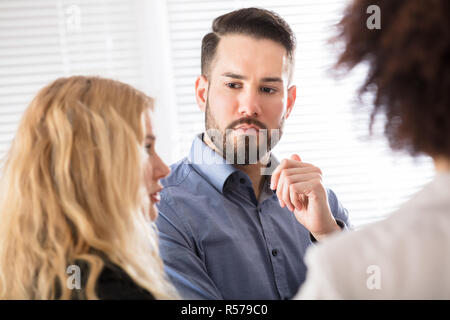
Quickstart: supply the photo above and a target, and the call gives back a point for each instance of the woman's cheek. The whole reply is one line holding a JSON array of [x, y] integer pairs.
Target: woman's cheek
[[148, 176]]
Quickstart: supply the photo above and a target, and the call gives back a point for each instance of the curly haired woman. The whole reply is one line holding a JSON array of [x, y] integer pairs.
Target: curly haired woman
[[406, 255]]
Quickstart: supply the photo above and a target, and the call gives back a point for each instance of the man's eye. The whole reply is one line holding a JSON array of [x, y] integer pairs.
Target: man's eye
[[148, 147], [267, 90], [233, 85]]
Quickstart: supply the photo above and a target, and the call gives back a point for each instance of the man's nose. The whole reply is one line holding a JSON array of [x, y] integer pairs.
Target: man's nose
[[249, 104]]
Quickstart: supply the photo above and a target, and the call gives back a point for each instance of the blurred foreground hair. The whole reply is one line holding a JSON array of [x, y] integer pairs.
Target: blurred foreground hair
[[409, 69]]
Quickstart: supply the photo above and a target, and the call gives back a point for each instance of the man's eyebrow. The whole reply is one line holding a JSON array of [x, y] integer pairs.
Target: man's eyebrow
[[241, 77], [151, 137], [234, 75], [272, 79]]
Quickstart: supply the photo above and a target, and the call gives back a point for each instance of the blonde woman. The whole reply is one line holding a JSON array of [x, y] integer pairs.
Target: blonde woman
[[77, 196]]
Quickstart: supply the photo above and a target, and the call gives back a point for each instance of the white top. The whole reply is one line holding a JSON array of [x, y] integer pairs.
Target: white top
[[406, 256]]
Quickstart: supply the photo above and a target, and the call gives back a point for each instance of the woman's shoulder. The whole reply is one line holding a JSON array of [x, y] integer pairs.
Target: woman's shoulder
[[114, 283], [399, 250]]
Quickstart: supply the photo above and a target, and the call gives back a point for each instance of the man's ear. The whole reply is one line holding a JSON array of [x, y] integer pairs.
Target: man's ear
[[201, 92], [291, 96]]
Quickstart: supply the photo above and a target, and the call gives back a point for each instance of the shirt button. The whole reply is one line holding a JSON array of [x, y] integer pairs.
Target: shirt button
[[274, 252], [242, 180]]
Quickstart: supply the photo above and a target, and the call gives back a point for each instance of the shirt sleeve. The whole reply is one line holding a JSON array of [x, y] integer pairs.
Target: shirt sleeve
[[338, 210], [340, 214], [182, 262]]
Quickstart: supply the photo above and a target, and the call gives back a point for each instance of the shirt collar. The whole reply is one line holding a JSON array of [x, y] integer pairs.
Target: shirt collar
[[213, 167], [209, 164]]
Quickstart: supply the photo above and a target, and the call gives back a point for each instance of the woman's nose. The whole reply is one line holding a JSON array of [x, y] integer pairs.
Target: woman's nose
[[160, 169]]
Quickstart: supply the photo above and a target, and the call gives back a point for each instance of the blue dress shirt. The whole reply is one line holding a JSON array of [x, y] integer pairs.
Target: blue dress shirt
[[218, 241]]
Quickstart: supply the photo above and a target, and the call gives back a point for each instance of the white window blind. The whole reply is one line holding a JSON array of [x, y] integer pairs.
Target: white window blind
[[46, 39], [155, 46], [323, 128]]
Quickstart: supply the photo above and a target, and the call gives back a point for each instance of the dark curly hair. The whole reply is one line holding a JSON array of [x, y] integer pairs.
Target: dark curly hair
[[409, 69]]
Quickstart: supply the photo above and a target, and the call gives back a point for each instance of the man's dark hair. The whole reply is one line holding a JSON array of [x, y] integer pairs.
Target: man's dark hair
[[254, 22], [408, 69]]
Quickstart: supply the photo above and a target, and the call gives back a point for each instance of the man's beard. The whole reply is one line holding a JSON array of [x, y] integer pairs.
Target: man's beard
[[242, 149]]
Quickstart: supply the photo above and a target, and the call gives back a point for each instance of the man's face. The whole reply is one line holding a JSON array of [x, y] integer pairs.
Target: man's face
[[246, 91]]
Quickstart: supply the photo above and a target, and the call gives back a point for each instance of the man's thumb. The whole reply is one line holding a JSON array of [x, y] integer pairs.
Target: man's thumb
[[296, 157]]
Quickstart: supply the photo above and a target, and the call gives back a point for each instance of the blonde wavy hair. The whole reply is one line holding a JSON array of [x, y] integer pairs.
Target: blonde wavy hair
[[72, 187]]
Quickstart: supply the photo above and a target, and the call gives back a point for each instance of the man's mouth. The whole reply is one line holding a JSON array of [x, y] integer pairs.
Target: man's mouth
[[247, 129]]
